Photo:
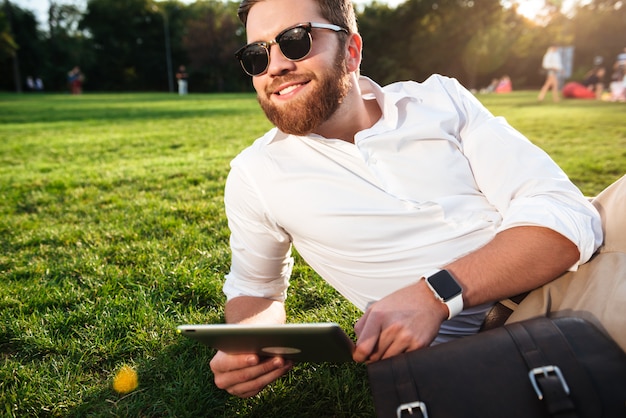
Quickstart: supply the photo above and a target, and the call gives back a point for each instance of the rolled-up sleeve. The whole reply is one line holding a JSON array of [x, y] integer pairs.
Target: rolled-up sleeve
[[530, 188], [261, 251]]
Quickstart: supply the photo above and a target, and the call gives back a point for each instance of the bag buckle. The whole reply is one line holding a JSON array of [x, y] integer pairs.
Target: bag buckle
[[410, 406], [545, 371]]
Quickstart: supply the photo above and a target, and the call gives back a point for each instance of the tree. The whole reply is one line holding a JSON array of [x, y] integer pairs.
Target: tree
[[486, 52], [213, 34], [66, 45], [126, 45], [432, 38], [127, 56], [600, 31], [8, 46], [378, 27], [22, 51], [526, 41]]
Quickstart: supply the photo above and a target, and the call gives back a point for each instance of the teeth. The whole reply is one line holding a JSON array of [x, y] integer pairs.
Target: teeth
[[289, 89]]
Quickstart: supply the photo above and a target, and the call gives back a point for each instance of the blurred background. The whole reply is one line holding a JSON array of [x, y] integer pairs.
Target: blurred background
[[139, 45]]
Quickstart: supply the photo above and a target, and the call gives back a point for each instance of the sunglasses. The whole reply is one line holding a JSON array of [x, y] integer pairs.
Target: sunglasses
[[294, 43]]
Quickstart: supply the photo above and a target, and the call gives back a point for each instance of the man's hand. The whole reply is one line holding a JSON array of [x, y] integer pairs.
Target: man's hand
[[245, 375], [405, 320]]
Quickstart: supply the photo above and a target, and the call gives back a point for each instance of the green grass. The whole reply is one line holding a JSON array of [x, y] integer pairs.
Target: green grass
[[112, 232]]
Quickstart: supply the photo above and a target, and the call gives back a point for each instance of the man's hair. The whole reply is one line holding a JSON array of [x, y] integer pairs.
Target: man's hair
[[337, 12]]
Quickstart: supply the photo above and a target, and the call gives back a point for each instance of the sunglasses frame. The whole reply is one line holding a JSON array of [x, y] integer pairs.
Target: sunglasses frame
[[308, 27]]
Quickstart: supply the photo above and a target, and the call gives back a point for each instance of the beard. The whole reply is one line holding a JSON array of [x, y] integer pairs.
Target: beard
[[303, 115]]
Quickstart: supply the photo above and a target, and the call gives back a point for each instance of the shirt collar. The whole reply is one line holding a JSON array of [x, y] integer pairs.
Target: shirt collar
[[389, 99]]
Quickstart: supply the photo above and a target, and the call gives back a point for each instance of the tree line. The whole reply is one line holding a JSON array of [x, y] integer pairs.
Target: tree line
[[137, 45]]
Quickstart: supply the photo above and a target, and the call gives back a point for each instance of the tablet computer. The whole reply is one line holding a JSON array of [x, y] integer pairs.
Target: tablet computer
[[312, 342]]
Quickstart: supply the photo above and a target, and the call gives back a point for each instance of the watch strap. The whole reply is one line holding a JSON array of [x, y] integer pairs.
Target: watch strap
[[455, 306]]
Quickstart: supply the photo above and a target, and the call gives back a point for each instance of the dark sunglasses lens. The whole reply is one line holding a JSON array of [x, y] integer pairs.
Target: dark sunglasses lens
[[295, 43], [254, 59]]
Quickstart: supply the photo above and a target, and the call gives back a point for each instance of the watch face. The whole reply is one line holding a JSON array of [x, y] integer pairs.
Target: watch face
[[445, 285]]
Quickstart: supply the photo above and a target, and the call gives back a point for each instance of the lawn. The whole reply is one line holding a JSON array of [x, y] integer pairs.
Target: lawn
[[113, 233]]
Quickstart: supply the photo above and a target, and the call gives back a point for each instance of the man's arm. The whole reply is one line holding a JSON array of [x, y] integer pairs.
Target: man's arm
[[260, 249], [516, 260], [253, 310], [245, 375]]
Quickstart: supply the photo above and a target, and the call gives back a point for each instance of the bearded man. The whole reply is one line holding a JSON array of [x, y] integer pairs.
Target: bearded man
[[412, 200]]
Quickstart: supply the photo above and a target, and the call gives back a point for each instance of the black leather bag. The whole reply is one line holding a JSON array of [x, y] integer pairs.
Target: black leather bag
[[538, 368]]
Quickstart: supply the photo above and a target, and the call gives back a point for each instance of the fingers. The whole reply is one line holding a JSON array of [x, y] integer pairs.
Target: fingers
[[245, 375], [397, 340], [367, 331], [386, 332], [377, 342], [360, 323]]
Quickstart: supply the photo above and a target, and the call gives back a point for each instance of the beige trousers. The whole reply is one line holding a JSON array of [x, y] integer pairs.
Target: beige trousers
[[597, 291]]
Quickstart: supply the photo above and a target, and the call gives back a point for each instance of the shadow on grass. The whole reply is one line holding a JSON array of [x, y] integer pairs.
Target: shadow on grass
[[121, 107], [178, 383]]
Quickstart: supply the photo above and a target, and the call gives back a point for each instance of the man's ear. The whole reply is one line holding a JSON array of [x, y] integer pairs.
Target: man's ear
[[353, 52]]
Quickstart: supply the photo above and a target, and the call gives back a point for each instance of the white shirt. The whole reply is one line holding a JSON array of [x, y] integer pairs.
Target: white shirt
[[436, 178], [552, 60]]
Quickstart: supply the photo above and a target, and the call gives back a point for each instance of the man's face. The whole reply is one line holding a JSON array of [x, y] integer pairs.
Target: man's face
[[299, 96]]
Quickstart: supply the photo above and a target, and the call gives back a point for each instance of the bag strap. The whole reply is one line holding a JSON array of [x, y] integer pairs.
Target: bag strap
[[501, 311], [406, 388], [547, 379]]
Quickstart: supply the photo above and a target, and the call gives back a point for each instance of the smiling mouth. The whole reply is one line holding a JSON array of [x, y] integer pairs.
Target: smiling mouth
[[289, 89]]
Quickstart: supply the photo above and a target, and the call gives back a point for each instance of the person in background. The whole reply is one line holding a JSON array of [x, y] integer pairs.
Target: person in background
[[412, 200], [591, 87], [617, 85], [75, 80], [504, 85], [39, 84], [181, 78], [30, 83], [621, 58], [552, 65], [491, 87], [594, 81]]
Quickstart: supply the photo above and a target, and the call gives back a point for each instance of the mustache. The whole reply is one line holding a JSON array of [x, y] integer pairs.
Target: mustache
[[288, 78]]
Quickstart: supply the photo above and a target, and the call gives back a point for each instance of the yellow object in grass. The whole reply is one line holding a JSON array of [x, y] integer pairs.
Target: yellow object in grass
[[125, 380]]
